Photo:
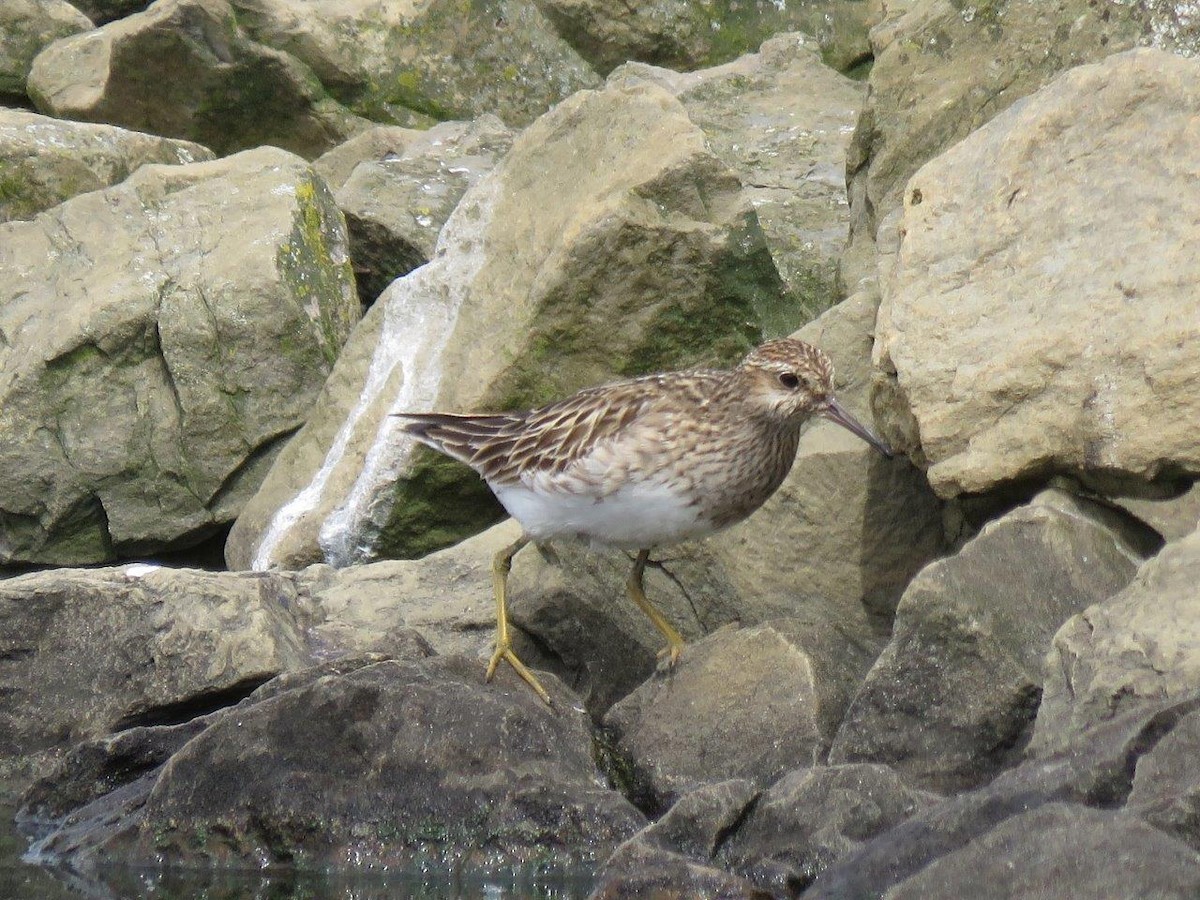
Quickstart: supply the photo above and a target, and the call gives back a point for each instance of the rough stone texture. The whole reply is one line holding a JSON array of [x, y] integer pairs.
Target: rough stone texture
[[26, 26], [952, 698], [45, 161], [87, 652], [1095, 771], [750, 703], [1172, 517], [395, 207], [1038, 319], [608, 241], [369, 145], [185, 69], [1138, 647], [153, 357], [688, 35], [811, 818], [1166, 785], [673, 857], [413, 63], [1061, 848], [942, 69], [782, 120], [397, 764]]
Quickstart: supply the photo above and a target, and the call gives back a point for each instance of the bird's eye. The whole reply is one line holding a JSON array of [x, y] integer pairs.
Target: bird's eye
[[789, 380]]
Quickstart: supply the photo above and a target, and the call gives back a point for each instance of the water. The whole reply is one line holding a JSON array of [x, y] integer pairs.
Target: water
[[22, 881]]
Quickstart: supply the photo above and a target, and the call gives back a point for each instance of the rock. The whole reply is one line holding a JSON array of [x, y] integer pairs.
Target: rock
[[782, 120], [1166, 789], [673, 856], [393, 764], [750, 703], [373, 144], [45, 161], [611, 197], [26, 26], [104, 11], [685, 36], [1095, 771], [1138, 647], [1057, 847], [1014, 336], [90, 652], [154, 358], [416, 63], [952, 698], [395, 207], [810, 818], [185, 69], [941, 70]]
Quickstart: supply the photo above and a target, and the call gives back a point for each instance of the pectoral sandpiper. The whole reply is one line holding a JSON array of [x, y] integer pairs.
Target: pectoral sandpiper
[[643, 463]]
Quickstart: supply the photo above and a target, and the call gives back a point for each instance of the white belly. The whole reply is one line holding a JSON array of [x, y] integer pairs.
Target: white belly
[[636, 516]]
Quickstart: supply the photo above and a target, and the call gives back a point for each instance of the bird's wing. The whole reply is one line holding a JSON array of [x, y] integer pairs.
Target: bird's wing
[[503, 447]]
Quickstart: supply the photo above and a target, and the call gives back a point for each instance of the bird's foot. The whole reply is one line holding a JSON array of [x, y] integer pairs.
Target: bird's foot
[[504, 651], [671, 653]]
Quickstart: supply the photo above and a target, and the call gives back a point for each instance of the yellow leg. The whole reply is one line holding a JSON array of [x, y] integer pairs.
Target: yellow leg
[[638, 595], [501, 566]]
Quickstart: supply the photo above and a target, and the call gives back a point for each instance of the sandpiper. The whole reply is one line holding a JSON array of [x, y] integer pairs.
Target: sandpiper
[[643, 463]]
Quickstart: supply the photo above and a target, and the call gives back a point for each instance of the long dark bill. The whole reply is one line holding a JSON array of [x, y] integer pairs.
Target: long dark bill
[[835, 412]]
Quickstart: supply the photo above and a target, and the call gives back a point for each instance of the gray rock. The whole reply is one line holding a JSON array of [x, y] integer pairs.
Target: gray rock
[[395, 764], [104, 11], [943, 69], [684, 36], [810, 818], [185, 69], [416, 63], [396, 206], [1173, 517], [673, 857], [1166, 785], [1059, 849], [1136, 648], [154, 358], [1095, 771], [1014, 337], [952, 698], [612, 197], [89, 652], [26, 26], [750, 703], [45, 161], [782, 120]]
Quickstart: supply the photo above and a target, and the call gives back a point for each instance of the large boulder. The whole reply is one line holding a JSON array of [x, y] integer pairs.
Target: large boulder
[[92, 651], [45, 161], [414, 63], [952, 698], [1037, 320], [1133, 649], [751, 703], [941, 70], [155, 358], [680, 35], [782, 120], [186, 69], [608, 241], [392, 764]]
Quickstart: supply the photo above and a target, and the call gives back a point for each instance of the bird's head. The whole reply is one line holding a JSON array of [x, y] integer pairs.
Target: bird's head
[[791, 381]]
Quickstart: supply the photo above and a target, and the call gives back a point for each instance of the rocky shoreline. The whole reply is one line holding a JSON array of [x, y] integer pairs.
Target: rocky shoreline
[[235, 236]]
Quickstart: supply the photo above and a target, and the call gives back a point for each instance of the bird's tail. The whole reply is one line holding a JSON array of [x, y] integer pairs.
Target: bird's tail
[[459, 436]]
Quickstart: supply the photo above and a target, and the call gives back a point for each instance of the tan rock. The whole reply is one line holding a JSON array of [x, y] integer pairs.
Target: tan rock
[[1039, 320], [26, 26], [154, 357]]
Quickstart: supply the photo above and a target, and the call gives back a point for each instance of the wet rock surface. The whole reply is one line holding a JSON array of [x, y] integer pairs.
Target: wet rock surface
[[968, 670]]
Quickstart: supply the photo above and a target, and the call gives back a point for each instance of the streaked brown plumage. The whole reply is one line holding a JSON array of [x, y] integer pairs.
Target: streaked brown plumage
[[642, 463]]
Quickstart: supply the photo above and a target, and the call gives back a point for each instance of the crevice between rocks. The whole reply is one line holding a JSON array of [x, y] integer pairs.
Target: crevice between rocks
[[193, 707]]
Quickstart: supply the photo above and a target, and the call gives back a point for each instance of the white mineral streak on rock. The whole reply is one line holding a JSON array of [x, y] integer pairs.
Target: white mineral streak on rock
[[419, 317]]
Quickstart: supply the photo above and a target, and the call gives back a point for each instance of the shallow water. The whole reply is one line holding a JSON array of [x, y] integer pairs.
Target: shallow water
[[22, 881]]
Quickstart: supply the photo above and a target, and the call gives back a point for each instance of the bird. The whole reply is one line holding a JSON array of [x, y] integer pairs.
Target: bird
[[642, 463]]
